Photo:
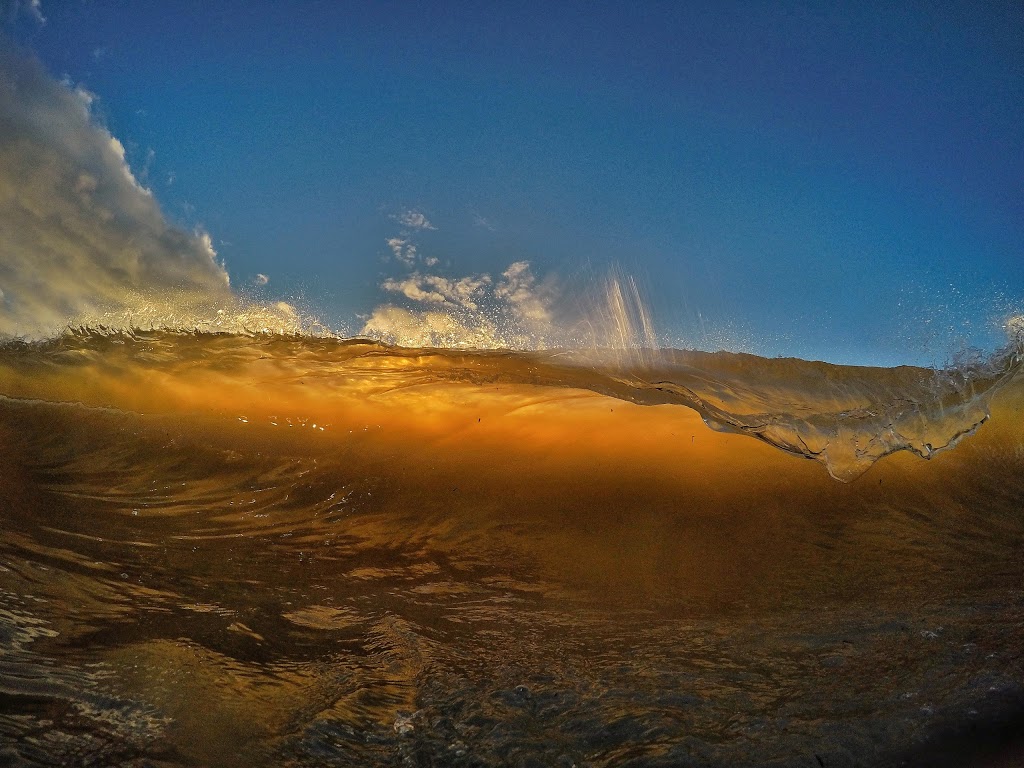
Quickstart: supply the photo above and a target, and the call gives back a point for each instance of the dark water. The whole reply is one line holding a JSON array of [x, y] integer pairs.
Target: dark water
[[232, 550]]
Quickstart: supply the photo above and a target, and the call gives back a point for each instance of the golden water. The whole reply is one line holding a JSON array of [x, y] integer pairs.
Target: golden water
[[239, 550]]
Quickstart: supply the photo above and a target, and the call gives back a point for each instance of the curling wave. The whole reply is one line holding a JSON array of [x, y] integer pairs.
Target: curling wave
[[844, 417]]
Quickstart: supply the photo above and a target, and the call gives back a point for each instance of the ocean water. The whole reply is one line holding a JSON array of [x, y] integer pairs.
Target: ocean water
[[257, 550]]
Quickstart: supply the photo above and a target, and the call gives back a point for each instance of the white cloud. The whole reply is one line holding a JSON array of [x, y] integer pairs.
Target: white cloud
[[81, 241], [402, 246], [530, 300], [403, 250], [412, 289], [460, 293], [514, 311], [413, 219]]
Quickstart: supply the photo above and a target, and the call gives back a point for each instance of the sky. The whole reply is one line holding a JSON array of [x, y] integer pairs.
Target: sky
[[831, 181]]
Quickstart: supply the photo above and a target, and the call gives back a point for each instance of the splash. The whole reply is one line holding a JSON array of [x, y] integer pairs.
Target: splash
[[613, 323], [629, 316], [1015, 330]]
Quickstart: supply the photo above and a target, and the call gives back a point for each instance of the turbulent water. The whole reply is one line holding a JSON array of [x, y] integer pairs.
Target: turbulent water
[[261, 550]]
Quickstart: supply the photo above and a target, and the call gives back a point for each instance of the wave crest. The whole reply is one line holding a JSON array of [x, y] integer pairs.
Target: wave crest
[[843, 417]]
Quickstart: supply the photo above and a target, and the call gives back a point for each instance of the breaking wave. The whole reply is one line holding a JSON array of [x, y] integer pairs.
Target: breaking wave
[[844, 417]]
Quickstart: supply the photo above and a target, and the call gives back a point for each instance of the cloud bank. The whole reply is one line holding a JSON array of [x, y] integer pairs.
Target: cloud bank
[[82, 242]]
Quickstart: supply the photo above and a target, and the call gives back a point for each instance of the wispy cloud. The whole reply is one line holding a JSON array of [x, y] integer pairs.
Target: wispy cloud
[[147, 165], [403, 250], [531, 301], [413, 219], [30, 8]]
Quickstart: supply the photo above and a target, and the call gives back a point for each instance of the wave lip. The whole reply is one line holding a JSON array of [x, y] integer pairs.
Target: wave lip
[[845, 417]]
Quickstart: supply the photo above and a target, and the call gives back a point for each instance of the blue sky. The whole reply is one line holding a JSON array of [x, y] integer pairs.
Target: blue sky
[[838, 183]]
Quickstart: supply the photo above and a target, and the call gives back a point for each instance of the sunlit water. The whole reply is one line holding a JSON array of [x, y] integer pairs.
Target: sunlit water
[[235, 550]]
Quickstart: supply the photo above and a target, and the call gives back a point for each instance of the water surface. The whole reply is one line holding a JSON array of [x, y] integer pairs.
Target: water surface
[[253, 550]]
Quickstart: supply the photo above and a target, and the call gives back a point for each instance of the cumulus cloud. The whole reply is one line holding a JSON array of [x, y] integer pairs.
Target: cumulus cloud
[[462, 292], [403, 247], [530, 300], [403, 250], [82, 241], [514, 310], [413, 289], [413, 219]]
